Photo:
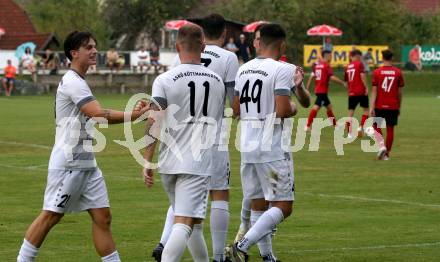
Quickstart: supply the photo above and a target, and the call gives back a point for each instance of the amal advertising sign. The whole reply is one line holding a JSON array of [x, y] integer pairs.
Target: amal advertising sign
[[425, 55], [340, 54]]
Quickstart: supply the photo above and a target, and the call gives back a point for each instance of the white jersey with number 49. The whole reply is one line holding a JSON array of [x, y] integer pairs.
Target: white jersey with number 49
[[194, 98], [257, 83]]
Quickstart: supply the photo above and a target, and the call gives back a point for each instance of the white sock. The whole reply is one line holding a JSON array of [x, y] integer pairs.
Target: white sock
[[176, 244], [197, 245], [27, 253], [219, 228], [267, 221], [167, 226], [265, 243], [113, 257], [245, 214]]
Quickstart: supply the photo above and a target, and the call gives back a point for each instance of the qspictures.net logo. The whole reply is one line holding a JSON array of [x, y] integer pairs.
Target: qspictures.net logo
[[206, 132]]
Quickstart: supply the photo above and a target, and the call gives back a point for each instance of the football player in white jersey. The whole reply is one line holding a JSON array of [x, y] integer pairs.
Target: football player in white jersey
[[225, 64], [74, 182], [191, 94], [263, 89], [303, 97]]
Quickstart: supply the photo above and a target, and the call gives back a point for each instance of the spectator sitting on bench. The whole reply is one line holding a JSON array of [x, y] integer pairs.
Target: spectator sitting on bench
[[113, 60], [50, 61], [154, 59], [121, 61], [9, 80], [142, 55], [27, 61]]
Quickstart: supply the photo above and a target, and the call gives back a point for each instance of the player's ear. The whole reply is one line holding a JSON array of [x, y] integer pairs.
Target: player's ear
[[178, 47], [256, 43], [73, 53], [202, 47]]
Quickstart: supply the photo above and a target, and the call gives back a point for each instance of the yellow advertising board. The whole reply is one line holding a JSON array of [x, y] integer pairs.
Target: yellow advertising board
[[340, 53]]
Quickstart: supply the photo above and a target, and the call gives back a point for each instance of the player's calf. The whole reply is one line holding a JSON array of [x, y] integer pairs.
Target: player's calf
[[102, 236], [38, 230], [36, 233], [285, 206]]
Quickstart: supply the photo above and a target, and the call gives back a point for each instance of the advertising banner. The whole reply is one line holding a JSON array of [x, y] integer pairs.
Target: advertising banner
[[425, 55], [340, 54]]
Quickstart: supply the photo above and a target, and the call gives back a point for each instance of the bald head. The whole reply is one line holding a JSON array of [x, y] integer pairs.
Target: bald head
[[190, 39]]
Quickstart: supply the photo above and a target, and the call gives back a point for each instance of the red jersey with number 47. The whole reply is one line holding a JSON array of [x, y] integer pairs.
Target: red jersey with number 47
[[322, 73], [353, 77], [388, 80]]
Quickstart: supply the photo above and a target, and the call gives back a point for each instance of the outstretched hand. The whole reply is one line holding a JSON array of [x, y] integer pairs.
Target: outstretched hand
[[141, 107], [299, 76]]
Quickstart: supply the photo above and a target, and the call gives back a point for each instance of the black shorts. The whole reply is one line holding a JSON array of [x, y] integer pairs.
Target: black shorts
[[353, 101], [9, 80], [322, 100], [389, 115]]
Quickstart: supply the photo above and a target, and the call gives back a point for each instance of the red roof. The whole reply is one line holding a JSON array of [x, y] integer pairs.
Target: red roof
[[420, 7], [19, 28], [14, 19], [10, 42]]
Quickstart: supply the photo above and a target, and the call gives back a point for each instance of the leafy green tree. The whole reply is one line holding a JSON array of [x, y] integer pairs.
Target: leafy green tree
[[132, 17], [64, 16], [363, 22], [421, 29]]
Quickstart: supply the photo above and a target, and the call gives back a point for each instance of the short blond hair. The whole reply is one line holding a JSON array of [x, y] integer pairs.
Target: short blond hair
[[190, 37]]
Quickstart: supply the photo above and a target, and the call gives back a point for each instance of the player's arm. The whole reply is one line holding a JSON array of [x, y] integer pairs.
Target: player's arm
[[153, 131], [236, 106], [400, 90], [230, 80], [399, 96], [364, 80], [284, 107], [236, 101], [337, 80], [303, 95], [93, 109], [346, 78], [373, 98], [309, 82], [300, 91]]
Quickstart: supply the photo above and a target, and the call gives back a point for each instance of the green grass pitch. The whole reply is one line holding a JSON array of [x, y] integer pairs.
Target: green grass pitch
[[347, 208]]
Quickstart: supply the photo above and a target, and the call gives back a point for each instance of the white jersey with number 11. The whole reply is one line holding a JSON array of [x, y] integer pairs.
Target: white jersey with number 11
[[192, 93]]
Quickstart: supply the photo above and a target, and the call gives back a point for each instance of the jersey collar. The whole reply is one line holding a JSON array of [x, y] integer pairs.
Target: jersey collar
[[77, 73]]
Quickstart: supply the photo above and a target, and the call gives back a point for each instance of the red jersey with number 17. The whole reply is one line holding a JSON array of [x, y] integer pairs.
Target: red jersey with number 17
[[388, 80], [322, 73], [353, 77]]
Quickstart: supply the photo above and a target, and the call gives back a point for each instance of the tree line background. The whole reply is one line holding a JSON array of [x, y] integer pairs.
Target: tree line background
[[363, 22]]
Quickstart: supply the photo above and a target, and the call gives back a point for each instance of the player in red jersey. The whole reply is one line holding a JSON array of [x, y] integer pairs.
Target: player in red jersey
[[357, 88], [386, 99], [322, 73]]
